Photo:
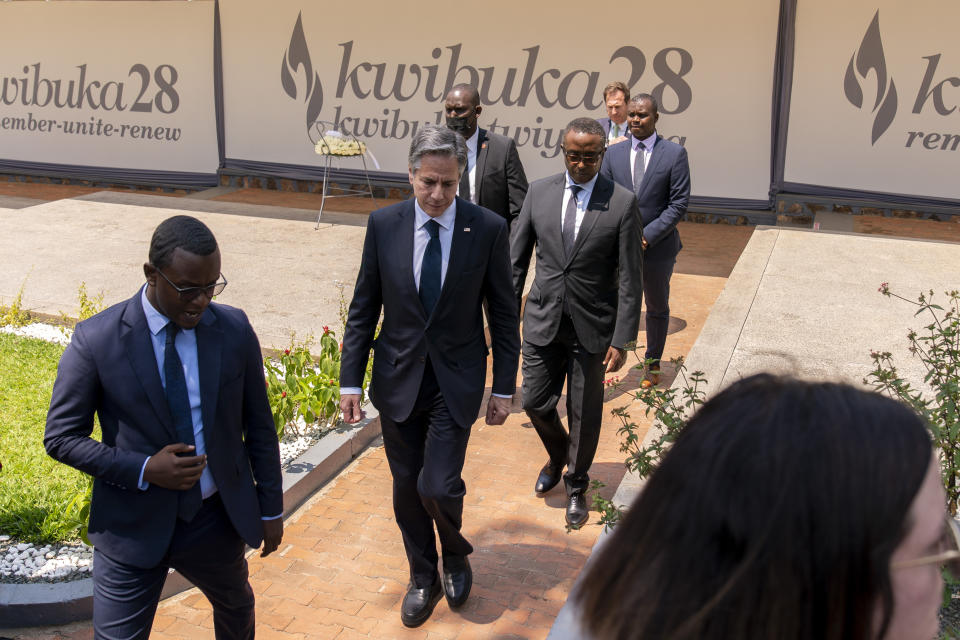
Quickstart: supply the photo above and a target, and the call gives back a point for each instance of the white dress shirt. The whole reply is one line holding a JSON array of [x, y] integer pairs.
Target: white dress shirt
[[472, 142], [583, 199]]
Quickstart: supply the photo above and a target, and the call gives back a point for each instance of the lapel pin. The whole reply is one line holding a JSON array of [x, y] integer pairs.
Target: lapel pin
[[466, 229]]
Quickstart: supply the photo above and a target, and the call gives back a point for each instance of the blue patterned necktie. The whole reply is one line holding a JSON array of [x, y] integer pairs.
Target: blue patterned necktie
[[178, 399], [430, 269]]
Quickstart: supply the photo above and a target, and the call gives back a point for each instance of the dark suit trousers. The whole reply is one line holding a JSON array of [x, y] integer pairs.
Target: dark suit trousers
[[426, 454], [207, 551], [544, 370], [656, 294]]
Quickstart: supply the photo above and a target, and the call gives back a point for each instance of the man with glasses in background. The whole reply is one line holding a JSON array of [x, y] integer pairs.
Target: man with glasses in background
[[583, 308], [188, 467]]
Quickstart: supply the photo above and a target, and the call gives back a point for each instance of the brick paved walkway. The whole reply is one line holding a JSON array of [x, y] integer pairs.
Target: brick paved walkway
[[342, 571]]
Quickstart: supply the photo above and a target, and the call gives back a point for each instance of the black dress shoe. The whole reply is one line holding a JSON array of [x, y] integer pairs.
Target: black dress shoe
[[548, 478], [457, 580], [418, 604], [577, 510]]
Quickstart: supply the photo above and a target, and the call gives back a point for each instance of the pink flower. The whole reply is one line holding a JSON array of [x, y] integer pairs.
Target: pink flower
[[326, 329], [283, 394], [286, 352]]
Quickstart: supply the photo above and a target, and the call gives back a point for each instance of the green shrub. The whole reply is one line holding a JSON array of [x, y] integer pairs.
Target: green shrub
[[671, 408]]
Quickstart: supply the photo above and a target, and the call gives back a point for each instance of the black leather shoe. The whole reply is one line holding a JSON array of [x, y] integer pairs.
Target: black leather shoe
[[418, 604], [548, 478], [457, 580], [577, 510]]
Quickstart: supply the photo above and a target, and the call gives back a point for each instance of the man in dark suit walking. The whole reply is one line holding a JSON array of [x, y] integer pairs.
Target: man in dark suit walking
[[657, 171], [494, 177], [188, 469], [583, 307], [428, 264]]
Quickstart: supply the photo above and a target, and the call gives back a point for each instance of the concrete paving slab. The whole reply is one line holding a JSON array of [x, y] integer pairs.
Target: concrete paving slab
[[103, 241], [16, 202]]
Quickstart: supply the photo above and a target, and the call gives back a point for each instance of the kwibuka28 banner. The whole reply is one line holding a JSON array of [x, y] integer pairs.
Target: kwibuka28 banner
[[291, 65], [124, 85], [875, 102]]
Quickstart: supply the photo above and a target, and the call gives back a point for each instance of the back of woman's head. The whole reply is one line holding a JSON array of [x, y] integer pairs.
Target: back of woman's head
[[774, 515]]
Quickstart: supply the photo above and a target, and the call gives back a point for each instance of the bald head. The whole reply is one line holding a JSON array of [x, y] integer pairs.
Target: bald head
[[466, 91]]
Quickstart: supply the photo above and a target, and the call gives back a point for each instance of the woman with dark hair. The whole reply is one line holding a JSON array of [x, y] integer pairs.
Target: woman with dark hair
[[785, 510]]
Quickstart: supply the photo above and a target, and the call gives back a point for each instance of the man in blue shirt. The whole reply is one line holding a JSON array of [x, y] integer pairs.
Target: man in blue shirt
[[188, 469]]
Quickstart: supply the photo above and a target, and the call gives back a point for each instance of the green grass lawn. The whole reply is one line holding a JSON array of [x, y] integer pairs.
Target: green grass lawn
[[35, 490]]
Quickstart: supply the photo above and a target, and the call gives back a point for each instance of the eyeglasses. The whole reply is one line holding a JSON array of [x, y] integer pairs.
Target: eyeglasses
[[575, 157], [949, 556], [189, 293]]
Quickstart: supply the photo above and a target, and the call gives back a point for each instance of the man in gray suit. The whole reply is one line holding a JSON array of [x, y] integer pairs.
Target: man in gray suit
[[657, 171], [494, 176], [583, 307]]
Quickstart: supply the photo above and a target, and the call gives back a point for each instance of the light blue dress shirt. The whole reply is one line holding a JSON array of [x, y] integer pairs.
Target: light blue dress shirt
[[421, 237], [186, 343]]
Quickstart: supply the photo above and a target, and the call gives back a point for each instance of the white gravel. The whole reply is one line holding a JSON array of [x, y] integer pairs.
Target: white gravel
[[25, 562], [48, 332], [22, 562]]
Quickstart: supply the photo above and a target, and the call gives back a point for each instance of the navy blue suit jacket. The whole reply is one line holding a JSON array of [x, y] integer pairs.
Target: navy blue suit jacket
[[663, 195], [453, 336], [110, 369]]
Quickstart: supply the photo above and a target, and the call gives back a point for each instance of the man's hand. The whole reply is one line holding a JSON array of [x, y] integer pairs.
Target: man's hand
[[614, 359], [350, 408], [498, 409], [168, 470], [643, 243], [272, 535]]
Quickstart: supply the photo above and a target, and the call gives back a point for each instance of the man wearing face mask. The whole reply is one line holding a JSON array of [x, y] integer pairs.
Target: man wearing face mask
[[494, 177]]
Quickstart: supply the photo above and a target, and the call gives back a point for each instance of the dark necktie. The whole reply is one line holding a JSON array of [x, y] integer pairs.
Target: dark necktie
[[430, 269], [464, 190], [638, 169], [178, 399], [570, 221]]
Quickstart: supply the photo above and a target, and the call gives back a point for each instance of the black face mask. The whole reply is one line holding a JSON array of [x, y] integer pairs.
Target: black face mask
[[458, 124]]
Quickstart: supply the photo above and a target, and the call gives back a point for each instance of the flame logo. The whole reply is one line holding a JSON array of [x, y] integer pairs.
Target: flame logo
[[869, 57], [295, 58]]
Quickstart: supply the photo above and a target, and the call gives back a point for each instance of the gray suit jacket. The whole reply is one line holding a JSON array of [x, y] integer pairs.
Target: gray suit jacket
[[663, 194], [601, 281]]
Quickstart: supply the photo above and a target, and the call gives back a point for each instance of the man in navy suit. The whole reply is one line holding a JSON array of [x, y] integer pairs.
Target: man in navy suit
[[188, 469], [428, 264], [494, 176], [657, 171]]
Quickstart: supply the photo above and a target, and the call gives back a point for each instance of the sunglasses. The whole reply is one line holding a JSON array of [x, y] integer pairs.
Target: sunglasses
[[949, 555]]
